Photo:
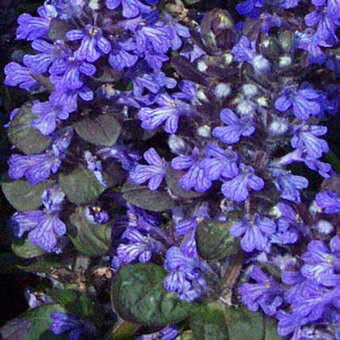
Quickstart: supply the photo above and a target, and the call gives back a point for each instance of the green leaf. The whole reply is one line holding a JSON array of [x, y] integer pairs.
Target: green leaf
[[74, 302], [122, 330], [22, 195], [89, 239], [244, 325], [144, 198], [80, 186], [214, 241], [23, 135], [25, 249], [101, 130], [33, 325], [208, 323], [138, 296], [40, 319]]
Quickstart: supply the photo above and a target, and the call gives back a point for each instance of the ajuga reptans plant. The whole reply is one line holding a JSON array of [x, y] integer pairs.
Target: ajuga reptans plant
[[168, 156]]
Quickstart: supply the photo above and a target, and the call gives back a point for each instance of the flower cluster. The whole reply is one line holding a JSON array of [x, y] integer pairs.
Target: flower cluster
[[160, 126]]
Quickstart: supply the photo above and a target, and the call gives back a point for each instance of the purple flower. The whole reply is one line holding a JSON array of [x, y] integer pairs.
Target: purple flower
[[288, 225], [333, 8], [154, 172], [20, 75], [68, 99], [297, 283], [196, 177], [309, 42], [245, 50], [286, 4], [178, 31], [289, 185], [328, 201], [168, 112], [145, 79], [35, 168], [185, 276], [300, 155], [122, 55], [250, 7], [95, 214], [142, 220], [93, 44], [95, 166], [49, 53], [131, 8], [65, 9], [289, 323], [268, 21], [306, 138], [237, 189], [63, 322], [236, 127], [69, 72], [325, 32], [322, 264], [313, 300], [48, 115], [303, 100], [188, 227], [43, 226], [266, 293], [140, 246], [153, 37], [220, 163], [256, 232], [31, 28]]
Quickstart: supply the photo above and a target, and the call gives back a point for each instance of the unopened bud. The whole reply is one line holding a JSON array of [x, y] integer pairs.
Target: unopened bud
[[278, 127], [202, 66], [324, 227], [201, 96], [249, 90], [261, 64], [177, 145], [204, 131], [285, 60], [222, 90]]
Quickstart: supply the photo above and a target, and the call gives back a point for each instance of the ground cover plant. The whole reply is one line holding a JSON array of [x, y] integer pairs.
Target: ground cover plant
[[172, 175]]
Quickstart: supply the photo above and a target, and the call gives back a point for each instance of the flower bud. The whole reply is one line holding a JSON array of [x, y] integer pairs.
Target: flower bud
[[285, 61], [278, 127], [261, 64], [204, 131], [177, 145], [249, 90], [324, 227], [201, 96], [222, 90], [202, 66]]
